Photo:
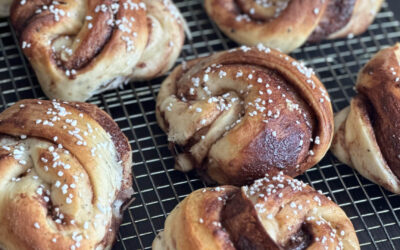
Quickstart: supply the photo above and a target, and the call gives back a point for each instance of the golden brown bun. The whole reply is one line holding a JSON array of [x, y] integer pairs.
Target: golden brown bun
[[65, 176], [367, 133], [81, 48], [242, 113], [274, 213], [286, 25]]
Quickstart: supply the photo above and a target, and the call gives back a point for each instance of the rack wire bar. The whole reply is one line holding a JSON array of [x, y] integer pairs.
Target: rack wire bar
[[158, 187]]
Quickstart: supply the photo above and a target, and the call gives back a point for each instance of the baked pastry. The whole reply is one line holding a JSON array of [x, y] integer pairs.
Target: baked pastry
[[81, 48], [287, 24], [65, 176], [5, 7], [273, 213], [367, 134], [243, 113]]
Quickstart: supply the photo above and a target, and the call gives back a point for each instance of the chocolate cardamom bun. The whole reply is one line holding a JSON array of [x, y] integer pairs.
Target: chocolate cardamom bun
[[367, 135], [79, 48], [243, 113], [273, 213], [65, 176], [287, 24]]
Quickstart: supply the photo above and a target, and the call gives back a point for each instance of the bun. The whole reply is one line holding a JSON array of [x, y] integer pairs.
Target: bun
[[288, 24], [367, 133], [65, 176], [241, 114], [273, 213], [81, 48]]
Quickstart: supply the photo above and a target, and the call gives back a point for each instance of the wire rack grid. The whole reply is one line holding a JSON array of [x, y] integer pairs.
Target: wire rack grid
[[158, 187]]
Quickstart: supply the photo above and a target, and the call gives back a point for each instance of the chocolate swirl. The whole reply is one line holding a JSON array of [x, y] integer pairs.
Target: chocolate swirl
[[80, 48], [279, 23], [273, 213], [65, 175], [246, 112], [367, 133]]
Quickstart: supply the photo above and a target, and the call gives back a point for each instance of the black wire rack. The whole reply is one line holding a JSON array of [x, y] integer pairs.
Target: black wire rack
[[158, 187]]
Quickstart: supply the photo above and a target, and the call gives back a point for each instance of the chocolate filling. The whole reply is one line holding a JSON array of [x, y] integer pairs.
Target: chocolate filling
[[385, 123], [300, 240], [336, 16], [240, 220]]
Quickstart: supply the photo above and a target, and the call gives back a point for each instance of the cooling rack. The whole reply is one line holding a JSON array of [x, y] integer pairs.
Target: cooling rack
[[158, 187]]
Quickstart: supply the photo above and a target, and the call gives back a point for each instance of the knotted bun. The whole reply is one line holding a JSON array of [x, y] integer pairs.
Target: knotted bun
[[367, 135], [81, 48], [273, 213], [65, 176], [287, 24], [243, 113]]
